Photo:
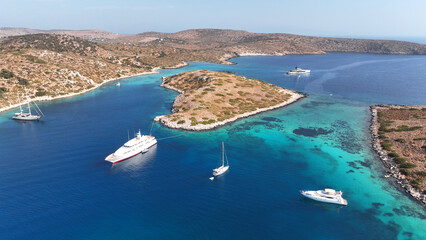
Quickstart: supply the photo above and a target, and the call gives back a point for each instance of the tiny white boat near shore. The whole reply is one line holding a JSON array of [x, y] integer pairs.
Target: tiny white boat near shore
[[327, 195], [222, 169], [118, 84], [298, 70]]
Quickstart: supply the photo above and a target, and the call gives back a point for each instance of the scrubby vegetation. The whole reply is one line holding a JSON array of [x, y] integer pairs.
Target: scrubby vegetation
[[401, 134], [210, 97]]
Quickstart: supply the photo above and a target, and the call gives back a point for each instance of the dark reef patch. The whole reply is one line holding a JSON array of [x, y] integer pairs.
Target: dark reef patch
[[311, 132], [271, 119], [248, 125], [353, 165], [388, 214], [315, 104], [345, 137], [408, 211], [350, 171], [364, 164], [377, 204]]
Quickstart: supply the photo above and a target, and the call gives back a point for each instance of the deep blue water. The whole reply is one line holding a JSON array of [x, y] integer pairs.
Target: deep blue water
[[54, 183]]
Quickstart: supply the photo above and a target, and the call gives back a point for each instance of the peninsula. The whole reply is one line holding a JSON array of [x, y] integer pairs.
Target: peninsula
[[210, 99], [399, 138]]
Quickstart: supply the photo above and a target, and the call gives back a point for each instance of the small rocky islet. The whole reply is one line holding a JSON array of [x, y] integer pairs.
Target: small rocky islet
[[209, 99]]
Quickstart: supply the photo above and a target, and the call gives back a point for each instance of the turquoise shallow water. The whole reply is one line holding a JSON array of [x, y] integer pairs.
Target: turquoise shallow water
[[55, 184]]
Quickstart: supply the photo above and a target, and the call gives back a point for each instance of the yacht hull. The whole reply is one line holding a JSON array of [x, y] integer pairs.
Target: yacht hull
[[221, 170], [116, 157], [339, 201], [27, 118]]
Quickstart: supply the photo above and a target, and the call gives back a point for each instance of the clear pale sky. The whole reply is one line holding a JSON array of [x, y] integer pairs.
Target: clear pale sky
[[357, 18]]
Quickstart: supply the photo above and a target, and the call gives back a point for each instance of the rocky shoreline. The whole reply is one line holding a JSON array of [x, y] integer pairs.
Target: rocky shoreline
[[392, 170]]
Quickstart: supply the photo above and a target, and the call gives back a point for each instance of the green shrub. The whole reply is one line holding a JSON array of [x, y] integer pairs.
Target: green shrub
[[181, 122], [6, 74], [407, 165], [421, 173], [386, 145], [399, 160], [401, 140], [23, 81], [419, 139], [40, 93], [393, 154], [406, 172], [415, 184]]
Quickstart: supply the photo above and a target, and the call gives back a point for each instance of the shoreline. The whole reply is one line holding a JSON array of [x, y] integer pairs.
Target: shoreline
[[163, 119], [225, 59], [391, 168], [49, 98]]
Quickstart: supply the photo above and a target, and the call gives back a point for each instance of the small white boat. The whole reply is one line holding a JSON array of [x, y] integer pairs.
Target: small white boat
[[28, 116], [327, 195], [298, 70], [118, 84], [222, 169]]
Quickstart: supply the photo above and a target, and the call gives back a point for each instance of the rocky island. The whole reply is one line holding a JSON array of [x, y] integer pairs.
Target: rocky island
[[399, 137], [209, 99]]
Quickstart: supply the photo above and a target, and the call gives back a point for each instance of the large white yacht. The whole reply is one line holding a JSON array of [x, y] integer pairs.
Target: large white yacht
[[140, 143], [298, 70], [327, 195]]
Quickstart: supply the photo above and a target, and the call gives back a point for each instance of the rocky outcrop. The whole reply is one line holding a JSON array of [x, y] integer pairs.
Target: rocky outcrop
[[392, 170]]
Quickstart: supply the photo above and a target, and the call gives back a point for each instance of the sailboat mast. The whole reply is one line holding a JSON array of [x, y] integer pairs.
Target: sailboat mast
[[223, 154], [29, 108], [20, 106]]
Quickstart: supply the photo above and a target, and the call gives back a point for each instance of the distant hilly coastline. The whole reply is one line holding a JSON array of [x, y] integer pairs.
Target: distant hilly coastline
[[56, 63]]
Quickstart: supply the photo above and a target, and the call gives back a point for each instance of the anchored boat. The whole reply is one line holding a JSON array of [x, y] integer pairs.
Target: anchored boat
[[222, 169], [298, 70], [327, 195], [28, 116], [138, 144]]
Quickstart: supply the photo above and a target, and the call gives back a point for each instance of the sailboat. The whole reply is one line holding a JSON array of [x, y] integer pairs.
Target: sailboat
[[28, 116], [118, 84], [222, 169]]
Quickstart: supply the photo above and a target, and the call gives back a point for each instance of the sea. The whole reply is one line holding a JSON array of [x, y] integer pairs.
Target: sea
[[55, 184]]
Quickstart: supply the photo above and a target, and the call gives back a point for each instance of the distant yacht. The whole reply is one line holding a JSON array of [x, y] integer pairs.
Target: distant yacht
[[298, 70], [28, 116], [118, 84], [327, 195], [222, 169], [138, 144]]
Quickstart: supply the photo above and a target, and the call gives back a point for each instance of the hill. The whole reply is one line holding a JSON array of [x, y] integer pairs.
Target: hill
[[92, 35], [49, 66], [237, 43]]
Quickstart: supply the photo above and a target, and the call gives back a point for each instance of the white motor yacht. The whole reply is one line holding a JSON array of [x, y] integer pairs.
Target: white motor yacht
[[138, 144], [327, 195], [298, 70]]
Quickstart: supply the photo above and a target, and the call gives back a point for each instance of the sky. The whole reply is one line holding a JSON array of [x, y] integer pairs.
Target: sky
[[387, 19]]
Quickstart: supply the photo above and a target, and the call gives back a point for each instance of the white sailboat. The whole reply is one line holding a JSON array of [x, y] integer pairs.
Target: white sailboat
[[118, 84], [222, 169], [28, 116]]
